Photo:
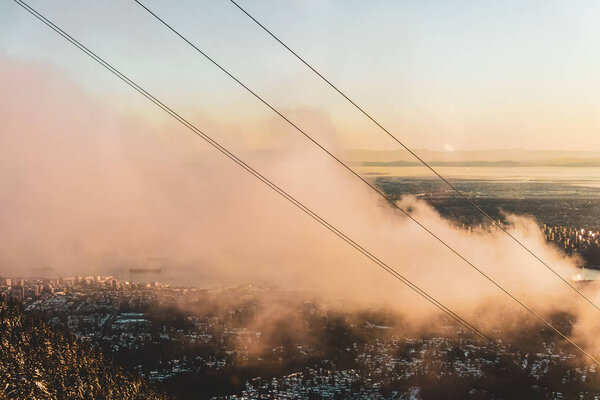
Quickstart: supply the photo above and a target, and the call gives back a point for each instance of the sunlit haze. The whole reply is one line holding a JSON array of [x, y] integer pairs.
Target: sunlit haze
[[287, 246]]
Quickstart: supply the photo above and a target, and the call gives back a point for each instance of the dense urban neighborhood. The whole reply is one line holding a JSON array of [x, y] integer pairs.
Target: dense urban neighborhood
[[203, 343]]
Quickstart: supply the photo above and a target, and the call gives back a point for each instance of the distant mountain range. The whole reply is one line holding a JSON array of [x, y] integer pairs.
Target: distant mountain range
[[559, 162], [478, 158]]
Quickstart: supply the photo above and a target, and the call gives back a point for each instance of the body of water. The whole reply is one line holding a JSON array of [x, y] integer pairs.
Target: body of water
[[588, 176]]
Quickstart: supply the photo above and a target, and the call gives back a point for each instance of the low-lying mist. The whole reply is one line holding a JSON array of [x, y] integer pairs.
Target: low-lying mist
[[86, 189]]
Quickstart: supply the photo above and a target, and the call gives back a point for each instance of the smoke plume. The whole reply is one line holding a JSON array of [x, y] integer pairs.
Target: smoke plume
[[86, 188]]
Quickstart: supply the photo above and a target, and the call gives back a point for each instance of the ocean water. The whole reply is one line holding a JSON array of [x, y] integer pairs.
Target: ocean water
[[576, 176], [554, 195]]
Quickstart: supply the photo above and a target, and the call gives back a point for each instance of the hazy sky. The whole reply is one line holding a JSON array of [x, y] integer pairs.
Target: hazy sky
[[439, 74], [94, 178]]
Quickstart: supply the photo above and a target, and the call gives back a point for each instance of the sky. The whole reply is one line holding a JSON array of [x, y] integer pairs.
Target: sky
[[441, 75]]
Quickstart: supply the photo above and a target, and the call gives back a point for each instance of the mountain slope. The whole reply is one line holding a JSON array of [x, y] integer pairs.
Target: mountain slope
[[37, 362]]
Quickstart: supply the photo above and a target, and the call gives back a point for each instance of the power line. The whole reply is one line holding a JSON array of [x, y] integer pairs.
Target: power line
[[276, 188], [415, 155], [490, 279], [261, 177]]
